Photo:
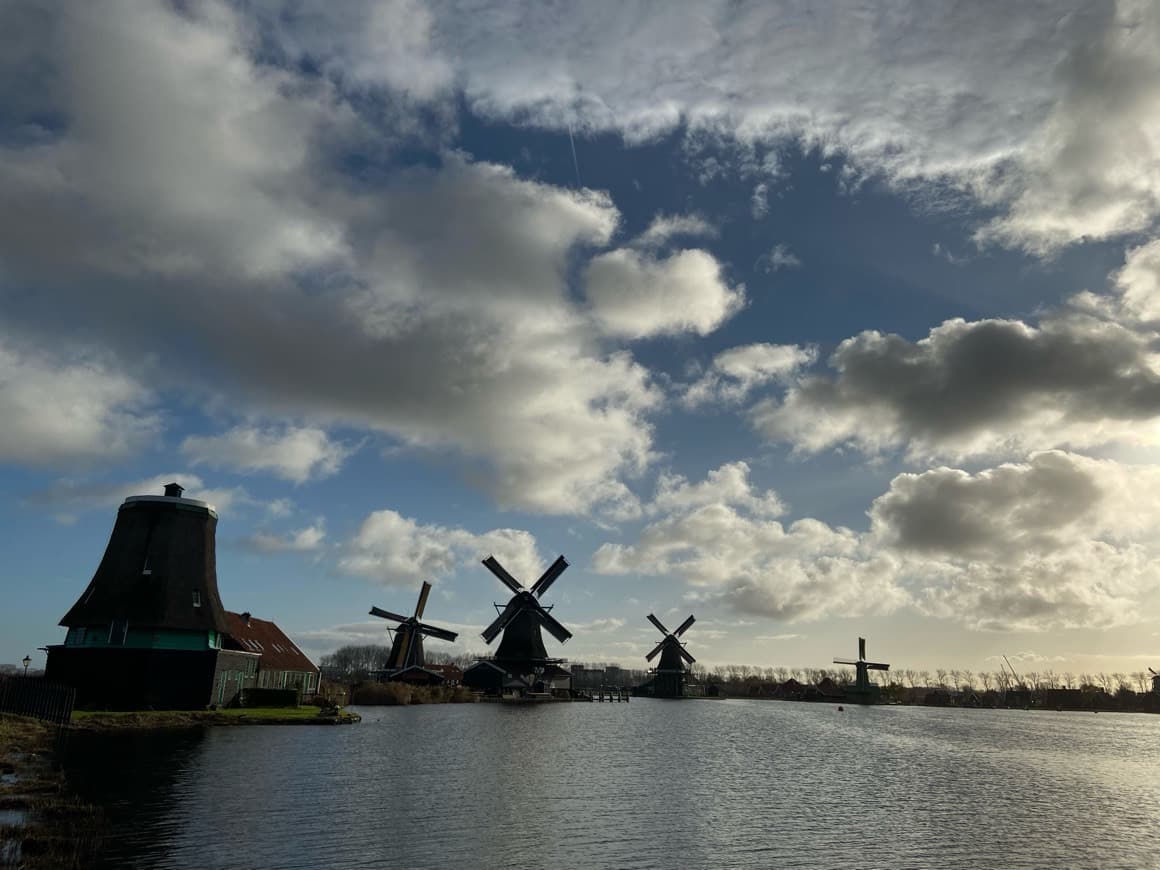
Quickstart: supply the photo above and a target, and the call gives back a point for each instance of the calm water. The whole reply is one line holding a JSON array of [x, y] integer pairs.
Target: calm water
[[646, 784]]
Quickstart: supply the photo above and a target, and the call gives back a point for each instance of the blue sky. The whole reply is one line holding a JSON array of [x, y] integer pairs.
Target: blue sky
[[815, 323]]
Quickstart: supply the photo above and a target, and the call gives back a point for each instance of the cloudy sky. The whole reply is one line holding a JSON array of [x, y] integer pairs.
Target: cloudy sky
[[814, 321]]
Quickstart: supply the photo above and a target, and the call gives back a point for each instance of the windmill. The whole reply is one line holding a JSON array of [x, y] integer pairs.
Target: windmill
[[1155, 680], [521, 661], [671, 673], [863, 689], [407, 645]]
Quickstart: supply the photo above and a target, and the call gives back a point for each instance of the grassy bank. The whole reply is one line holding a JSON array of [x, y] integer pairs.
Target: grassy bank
[[45, 825], [102, 720]]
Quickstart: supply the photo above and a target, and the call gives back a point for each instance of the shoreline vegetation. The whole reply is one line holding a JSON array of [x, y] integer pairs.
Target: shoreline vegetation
[[110, 720], [42, 823]]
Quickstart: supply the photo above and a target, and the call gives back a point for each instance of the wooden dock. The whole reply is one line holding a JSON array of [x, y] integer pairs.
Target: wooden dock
[[613, 694]]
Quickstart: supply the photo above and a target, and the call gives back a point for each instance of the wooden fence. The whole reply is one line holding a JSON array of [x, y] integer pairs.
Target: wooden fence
[[31, 696]]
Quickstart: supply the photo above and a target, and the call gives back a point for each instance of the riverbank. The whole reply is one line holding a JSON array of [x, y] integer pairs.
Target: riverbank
[[42, 824], [101, 720]]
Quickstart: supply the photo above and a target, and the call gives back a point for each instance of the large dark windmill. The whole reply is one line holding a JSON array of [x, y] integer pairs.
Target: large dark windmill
[[863, 691], [407, 646], [671, 675], [521, 661]]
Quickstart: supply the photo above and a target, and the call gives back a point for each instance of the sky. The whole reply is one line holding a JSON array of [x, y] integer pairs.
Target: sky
[[815, 321]]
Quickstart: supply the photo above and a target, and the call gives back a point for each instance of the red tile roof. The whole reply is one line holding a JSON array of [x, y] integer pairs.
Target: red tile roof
[[262, 636]]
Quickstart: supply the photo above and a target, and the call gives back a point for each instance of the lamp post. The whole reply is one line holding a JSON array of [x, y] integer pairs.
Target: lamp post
[[27, 662]]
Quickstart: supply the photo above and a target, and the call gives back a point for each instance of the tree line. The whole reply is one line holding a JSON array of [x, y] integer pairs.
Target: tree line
[[356, 662]]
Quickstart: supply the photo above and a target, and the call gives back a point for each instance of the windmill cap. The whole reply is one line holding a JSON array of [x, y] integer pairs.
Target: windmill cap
[[173, 496]]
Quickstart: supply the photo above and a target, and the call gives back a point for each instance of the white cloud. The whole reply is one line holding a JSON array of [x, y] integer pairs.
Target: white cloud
[[665, 227], [70, 407], [727, 485], [397, 550], [1050, 118], [432, 305], [759, 201], [734, 373], [977, 388], [780, 257], [636, 296], [1060, 541], [81, 494], [296, 454], [303, 540]]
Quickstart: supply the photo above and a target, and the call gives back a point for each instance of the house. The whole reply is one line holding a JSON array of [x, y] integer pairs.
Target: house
[[276, 662]]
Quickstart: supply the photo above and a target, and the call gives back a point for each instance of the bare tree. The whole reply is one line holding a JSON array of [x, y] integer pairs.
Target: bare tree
[[986, 679]]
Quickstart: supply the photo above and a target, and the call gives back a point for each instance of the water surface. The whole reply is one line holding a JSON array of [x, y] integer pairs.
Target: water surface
[[647, 784]]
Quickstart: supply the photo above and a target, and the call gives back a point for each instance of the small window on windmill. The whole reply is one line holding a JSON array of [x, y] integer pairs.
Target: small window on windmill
[[145, 569], [196, 598], [118, 629]]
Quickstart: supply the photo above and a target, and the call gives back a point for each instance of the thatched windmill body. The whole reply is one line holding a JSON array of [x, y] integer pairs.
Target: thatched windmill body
[[407, 644], [670, 675], [863, 691], [522, 660]]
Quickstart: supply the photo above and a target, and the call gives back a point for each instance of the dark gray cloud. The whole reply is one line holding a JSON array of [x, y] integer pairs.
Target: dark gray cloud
[[974, 387]]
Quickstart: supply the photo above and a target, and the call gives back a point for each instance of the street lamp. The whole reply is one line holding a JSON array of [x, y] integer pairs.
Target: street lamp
[[27, 662]]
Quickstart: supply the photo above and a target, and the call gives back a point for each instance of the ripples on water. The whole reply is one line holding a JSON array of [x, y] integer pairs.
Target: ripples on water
[[646, 784]]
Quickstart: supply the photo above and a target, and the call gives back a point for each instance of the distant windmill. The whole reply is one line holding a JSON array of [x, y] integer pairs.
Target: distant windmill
[[671, 673], [1155, 680], [407, 647], [862, 685], [520, 621]]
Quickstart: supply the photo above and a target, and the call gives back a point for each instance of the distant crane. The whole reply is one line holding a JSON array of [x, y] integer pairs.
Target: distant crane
[[1018, 682]]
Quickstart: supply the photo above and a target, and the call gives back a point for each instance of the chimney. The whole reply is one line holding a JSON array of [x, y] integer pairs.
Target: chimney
[[246, 618], [174, 490]]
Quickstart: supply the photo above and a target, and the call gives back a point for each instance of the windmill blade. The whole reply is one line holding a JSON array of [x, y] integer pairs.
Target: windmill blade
[[1153, 673], [686, 655], [434, 631], [549, 576], [386, 614], [657, 623], [845, 662], [505, 578], [876, 666], [552, 624], [652, 655], [685, 626], [509, 613], [861, 648], [423, 593]]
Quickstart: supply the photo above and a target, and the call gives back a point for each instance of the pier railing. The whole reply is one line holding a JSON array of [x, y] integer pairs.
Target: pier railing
[[30, 696]]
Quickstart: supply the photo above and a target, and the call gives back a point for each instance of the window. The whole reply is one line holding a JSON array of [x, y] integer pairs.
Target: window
[[145, 569], [118, 628], [196, 598]]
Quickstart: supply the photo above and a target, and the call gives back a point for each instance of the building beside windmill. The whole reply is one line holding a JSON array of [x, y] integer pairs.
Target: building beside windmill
[[521, 666], [149, 630]]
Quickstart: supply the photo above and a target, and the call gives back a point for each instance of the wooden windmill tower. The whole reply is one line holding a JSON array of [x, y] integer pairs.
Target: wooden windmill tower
[[671, 675], [521, 660], [147, 631], [407, 645], [863, 691]]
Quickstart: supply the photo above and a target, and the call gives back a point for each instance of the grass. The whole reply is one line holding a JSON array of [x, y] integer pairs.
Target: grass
[[58, 830], [101, 720]]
